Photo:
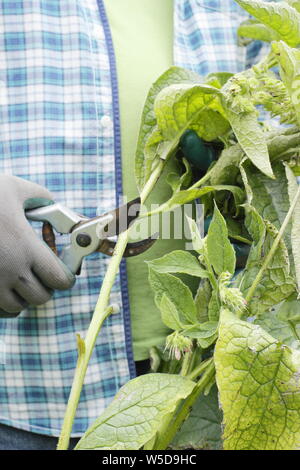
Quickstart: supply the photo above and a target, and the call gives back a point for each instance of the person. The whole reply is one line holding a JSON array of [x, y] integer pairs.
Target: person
[[73, 80]]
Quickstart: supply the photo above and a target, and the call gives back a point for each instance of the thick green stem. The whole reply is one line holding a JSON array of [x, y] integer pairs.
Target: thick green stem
[[173, 427], [100, 314], [86, 346], [273, 249], [200, 369], [186, 363]]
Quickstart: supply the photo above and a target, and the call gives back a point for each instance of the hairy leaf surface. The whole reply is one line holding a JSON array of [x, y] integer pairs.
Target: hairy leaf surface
[[295, 224], [220, 251], [178, 261], [281, 17], [258, 382], [276, 283], [148, 121], [251, 138], [136, 413], [177, 292]]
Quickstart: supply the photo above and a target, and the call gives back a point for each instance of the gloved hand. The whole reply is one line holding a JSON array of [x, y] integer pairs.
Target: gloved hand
[[29, 270]]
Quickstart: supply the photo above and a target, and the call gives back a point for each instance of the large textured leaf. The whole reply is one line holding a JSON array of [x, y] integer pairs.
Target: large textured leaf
[[289, 66], [177, 292], [136, 413], [220, 251], [202, 430], [178, 261], [295, 225], [148, 121], [276, 283], [177, 108], [258, 382], [183, 106], [281, 17]]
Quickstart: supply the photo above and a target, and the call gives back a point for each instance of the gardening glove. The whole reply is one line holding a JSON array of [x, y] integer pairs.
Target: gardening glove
[[29, 270]]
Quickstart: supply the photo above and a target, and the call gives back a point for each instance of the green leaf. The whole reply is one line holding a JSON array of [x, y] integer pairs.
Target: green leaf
[[218, 79], [289, 310], [289, 67], [202, 300], [255, 30], [276, 323], [214, 307], [177, 108], [202, 429], [148, 121], [213, 124], [177, 181], [258, 382], [251, 138], [179, 294], [189, 195], [136, 413], [226, 167], [295, 4], [178, 261], [276, 283], [237, 230], [169, 314], [197, 241], [271, 200], [220, 251], [282, 144], [295, 225], [282, 18], [205, 333]]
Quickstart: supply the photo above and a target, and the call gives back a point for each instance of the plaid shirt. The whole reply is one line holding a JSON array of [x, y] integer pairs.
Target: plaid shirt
[[60, 128]]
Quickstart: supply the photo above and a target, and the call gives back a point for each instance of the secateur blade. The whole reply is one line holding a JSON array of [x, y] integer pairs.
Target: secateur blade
[[132, 249], [123, 217]]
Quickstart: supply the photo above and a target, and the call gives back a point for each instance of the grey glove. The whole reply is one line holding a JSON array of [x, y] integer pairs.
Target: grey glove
[[29, 270]]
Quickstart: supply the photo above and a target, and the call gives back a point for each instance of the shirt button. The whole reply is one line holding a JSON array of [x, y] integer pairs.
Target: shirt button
[[106, 122]]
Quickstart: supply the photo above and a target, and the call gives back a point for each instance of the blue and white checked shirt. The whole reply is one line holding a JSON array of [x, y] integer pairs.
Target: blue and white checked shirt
[[60, 128]]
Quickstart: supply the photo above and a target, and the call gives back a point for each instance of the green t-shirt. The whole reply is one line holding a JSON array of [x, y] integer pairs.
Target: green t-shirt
[[142, 32]]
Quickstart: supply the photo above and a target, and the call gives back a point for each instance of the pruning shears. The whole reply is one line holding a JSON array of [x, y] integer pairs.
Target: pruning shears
[[88, 235]]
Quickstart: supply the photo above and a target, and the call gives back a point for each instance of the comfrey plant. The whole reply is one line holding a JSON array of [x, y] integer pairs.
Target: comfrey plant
[[228, 376]]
